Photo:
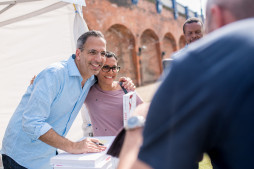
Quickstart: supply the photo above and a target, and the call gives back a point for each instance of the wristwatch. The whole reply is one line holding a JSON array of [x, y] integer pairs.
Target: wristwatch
[[135, 122]]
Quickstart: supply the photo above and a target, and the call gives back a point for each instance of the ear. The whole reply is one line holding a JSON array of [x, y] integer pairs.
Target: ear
[[78, 52], [222, 16], [218, 16]]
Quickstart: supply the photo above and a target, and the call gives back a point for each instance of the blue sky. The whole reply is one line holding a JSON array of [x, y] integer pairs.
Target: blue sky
[[194, 4]]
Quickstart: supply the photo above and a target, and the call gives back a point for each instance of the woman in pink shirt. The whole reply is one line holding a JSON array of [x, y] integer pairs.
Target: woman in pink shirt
[[104, 102]]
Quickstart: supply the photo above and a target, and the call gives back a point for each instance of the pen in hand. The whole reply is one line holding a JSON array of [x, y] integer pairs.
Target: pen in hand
[[98, 143]]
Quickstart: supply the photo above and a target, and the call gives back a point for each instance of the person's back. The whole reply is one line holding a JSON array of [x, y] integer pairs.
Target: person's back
[[219, 120]]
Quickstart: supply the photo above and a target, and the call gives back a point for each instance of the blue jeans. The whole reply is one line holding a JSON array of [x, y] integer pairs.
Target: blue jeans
[[9, 163]]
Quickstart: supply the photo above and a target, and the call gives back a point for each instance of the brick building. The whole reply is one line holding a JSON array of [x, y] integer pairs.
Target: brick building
[[139, 35]]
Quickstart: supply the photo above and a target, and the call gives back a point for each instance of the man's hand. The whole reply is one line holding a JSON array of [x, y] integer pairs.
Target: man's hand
[[127, 83], [88, 145]]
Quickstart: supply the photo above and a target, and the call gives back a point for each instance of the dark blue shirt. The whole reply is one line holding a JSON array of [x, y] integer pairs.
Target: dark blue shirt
[[206, 104]]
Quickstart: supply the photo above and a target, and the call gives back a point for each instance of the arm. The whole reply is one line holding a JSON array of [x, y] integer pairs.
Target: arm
[[85, 146], [129, 153], [132, 142], [35, 117]]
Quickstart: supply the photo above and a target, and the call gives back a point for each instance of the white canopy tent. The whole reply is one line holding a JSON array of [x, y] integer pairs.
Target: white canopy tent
[[34, 34]]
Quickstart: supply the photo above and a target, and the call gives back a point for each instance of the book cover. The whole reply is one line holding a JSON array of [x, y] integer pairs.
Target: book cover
[[129, 105], [105, 164]]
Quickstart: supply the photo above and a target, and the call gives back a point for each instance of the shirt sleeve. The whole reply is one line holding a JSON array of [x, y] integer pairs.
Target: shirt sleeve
[[44, 90]]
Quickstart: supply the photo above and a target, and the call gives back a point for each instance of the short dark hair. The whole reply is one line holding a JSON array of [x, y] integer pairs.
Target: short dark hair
[[110, 55], [82, 39], [192, 20]]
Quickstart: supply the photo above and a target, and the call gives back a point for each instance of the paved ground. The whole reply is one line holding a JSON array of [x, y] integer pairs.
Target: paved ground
[[147, 92]]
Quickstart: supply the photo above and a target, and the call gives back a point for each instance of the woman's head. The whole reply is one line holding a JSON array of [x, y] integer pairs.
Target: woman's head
[[109, 71]]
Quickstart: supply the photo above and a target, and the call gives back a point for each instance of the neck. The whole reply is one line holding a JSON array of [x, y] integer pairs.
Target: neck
[[108, 87], [85, 78]]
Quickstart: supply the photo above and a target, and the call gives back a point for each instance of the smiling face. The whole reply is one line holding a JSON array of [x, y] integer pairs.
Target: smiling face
[[91, 57], [107, 78], [193, 32]]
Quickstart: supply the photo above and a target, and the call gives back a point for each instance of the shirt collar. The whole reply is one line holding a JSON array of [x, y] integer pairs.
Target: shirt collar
[[72, 67]]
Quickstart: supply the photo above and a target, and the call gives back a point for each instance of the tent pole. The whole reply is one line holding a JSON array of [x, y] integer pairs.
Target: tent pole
[[35, 13], [6, 8]]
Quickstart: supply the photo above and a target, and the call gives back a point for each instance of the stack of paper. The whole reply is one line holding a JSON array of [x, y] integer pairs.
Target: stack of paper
[[84, 161]]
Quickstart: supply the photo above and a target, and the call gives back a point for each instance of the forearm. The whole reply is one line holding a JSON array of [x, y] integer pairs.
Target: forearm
[[55, 140], [129, 152], [132, 142], [84, 146]]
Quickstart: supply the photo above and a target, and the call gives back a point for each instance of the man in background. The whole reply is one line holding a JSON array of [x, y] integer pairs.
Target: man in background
[[193, 29]]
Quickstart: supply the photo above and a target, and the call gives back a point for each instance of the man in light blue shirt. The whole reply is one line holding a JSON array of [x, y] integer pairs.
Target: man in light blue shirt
[[49, 107]]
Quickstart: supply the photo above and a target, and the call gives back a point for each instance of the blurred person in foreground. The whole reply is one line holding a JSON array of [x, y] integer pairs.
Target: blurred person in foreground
[[205, 104]]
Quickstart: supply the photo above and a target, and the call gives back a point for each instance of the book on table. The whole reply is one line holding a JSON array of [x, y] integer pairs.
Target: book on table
[[87, 160], [105, 164]]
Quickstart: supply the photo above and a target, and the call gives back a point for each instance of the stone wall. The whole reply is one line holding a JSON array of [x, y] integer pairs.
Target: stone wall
[[139, 36]]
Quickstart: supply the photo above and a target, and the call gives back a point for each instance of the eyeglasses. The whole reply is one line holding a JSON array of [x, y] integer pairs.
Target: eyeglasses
[[107, 68], [94, 52]]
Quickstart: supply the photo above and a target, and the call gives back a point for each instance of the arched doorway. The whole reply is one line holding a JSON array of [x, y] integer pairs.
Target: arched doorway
[[150, 57], [168, 46], [120, 40], [182, 42]]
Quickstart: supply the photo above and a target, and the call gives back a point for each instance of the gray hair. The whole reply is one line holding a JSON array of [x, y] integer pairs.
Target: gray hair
[[82, 39]]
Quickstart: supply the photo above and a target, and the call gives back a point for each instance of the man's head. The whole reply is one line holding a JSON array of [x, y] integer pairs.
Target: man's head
[[110, 70], [223, 12], [193, 30], [90, 53]]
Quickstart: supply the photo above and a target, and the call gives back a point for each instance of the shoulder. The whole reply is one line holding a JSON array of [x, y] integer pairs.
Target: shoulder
[[178, 53], [59, 67], [54, 73]]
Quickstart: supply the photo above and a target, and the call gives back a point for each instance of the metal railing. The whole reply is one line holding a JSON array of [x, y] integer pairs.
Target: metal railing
[[179, 9]]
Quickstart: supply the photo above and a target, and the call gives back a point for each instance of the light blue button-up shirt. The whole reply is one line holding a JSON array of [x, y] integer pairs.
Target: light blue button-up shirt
[[53, 101]]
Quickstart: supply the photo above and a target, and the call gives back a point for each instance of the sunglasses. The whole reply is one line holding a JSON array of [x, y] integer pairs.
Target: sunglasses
[[108, 68]]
